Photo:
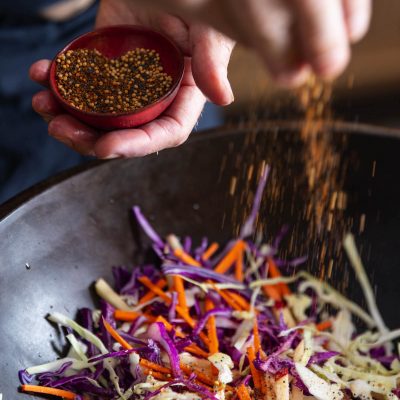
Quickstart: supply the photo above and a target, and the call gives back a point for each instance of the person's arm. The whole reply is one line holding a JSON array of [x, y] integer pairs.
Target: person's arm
[[207, 56], [294, 37]]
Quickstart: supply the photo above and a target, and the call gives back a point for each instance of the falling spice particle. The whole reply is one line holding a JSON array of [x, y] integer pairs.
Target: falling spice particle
[[362, 223], [373, 168], [232, 188]]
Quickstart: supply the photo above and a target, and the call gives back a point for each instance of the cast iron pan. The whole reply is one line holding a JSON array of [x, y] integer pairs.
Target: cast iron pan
[[71, 231]]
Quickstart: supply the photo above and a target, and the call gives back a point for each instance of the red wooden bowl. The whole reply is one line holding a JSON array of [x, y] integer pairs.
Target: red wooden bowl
[[113, 42]]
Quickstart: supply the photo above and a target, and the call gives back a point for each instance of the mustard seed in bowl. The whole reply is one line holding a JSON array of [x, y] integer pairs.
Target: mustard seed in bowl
[[91, 82]]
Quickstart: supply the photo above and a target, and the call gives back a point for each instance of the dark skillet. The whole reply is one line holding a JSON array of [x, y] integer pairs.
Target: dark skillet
[[73, 228]]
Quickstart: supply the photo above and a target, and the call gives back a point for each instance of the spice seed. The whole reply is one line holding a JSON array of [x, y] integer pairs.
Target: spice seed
[[98, 84]]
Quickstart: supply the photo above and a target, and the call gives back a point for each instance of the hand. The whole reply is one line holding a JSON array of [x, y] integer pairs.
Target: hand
[[207, 56], [293, 37]]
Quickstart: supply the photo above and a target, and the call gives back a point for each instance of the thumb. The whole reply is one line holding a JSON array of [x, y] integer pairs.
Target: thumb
[[211, 52]]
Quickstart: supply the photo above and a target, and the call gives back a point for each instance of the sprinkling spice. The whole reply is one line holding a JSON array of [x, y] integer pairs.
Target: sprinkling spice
[[89, 81]]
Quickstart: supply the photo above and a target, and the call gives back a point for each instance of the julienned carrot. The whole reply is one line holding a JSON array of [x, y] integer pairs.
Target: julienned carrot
[[157, 375], [116, 336], [168, 326], [243, 393], [159, 369], [155, 367], [324, 325], [144, 280], [256, 334], [274, 272], [210, 251], [48, 390], [240, 300], [201, 376], [272, 291], [161, 283], [212, 329], [239, 266], [180, 290], [254, 372], [230, 257], [183, 313], [192, 348], [128, 316], [230, 301], [186, 258]]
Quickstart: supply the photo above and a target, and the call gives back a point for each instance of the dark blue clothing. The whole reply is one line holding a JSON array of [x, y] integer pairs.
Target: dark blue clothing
[[27, 154]]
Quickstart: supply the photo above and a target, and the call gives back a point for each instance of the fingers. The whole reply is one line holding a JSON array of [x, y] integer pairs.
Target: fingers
[[267, 26], [211, 52], [169, 130], [74, 134], [323, 35], [39, 72], [358, 16], [46, 105]]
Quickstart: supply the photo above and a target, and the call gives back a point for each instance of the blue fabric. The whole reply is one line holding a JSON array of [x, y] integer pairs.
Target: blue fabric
[[27, 154]]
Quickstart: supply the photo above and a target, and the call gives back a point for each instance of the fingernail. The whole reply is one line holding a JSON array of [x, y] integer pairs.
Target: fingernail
[[111, 156], [231, 95], [64, 140], [358, 25]]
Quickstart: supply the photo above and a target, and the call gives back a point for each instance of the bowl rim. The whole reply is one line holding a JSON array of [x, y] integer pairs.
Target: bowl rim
[[133, 28]]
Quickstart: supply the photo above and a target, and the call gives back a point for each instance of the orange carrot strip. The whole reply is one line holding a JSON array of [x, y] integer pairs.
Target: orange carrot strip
[[48, 390], [210, 251], [117, 337], [201, 376], [161, 283], [254, 372], [186, 258], [256, 333], [212, 329], [183, 313], [324, 325], [187, 370], [192, 348], [180, 289], [126, 345], [196, 350], [243, 392], [169, 326], [232, 303], [274, 272], [144, 280], [239, 267], [157, 375], [155, 367], [272, 292], [240, 300], [230, 258], [128, 316]]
